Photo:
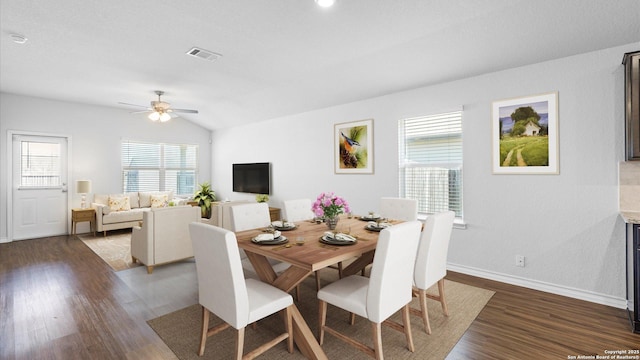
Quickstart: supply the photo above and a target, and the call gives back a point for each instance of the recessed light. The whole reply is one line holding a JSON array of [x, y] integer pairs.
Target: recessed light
[[18, 39], [325, 3]]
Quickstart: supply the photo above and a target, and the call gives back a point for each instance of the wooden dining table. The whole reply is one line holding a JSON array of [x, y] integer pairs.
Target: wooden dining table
[[305, 259]]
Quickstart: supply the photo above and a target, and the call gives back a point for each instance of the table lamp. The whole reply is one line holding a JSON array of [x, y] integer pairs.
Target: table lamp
[[83, 187]]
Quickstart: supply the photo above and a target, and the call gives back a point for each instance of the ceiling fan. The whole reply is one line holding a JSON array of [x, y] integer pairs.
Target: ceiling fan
[[160, 110]]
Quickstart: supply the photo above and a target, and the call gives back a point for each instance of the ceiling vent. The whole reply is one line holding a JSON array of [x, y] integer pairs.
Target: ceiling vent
[[203, 54]]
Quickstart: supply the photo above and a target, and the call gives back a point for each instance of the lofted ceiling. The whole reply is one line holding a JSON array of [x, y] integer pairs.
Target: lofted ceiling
[[282, 57]]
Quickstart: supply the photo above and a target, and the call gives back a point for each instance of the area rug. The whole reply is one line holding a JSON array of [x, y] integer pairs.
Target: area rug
[[114, 249], [180, 329]]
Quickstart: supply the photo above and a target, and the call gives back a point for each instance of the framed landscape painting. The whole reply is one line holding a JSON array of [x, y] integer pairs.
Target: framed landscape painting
[[525, 135], [353, 147]]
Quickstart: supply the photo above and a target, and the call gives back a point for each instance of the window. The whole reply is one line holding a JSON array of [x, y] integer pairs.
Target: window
[[430, 162], [40, 164], [159, 167]]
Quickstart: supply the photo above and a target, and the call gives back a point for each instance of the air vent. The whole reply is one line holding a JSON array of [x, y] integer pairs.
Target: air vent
[[203, 54]]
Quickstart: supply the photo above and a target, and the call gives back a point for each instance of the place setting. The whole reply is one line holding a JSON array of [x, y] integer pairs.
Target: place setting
[[378, 225], [283, 225], [337, 238], [270, 238]]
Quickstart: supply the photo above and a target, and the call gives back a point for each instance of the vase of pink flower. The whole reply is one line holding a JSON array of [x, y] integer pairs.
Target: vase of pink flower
[[328, 205]]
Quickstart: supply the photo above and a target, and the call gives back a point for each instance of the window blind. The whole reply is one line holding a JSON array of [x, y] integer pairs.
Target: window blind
[[159, 167], [430, 162]]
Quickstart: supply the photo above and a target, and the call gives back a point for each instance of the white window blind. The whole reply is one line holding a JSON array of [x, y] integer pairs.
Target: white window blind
[[159, 167], [430, 162]]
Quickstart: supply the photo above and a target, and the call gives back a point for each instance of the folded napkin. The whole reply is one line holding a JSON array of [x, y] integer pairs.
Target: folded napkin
[[381, 225], [264, 237], [283, 224], [339, 237], [267, 236]]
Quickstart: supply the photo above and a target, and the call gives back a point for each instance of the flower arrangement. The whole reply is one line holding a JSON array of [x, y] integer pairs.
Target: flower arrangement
[[329, 205]]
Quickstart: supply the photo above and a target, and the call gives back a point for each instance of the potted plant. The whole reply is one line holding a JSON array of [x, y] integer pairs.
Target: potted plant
[[204, 196]]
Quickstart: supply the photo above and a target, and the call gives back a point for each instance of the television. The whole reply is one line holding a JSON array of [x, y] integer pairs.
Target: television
[[254, 178]]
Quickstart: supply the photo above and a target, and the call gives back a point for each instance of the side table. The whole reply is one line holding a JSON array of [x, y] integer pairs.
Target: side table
[[81, 215]]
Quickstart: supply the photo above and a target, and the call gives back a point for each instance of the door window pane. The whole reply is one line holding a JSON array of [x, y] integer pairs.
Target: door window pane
[[39, 164]]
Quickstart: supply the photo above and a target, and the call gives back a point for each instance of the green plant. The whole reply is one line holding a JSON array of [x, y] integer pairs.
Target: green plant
[[205, 196], [262, 198]]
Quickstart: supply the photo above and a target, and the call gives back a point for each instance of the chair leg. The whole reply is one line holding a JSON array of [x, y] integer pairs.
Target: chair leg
[[422, 295], [406, 323], [377, 340], [288, 322], [298, 292], [443, 301], [340, 269], [239, 344], [322, 320], [205, 328]]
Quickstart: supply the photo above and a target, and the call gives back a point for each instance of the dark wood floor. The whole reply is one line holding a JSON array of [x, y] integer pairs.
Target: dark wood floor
[[58, 300]]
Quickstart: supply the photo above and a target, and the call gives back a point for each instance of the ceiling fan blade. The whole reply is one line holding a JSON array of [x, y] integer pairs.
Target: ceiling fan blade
[[188, 111], [123, 103]]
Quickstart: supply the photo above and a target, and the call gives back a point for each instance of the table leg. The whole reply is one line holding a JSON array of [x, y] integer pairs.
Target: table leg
[[287, 280], [359, 264]]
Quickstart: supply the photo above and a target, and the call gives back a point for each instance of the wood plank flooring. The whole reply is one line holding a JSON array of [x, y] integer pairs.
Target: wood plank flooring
[[58, 300]]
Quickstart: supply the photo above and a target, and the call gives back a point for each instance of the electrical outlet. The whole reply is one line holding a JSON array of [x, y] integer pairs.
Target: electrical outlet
[[520, 260]]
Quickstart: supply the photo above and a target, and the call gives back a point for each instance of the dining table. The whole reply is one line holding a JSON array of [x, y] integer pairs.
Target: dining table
[[306, 253]]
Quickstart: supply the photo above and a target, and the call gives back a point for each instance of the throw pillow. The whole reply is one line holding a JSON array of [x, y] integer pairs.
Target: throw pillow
[[158, 201], [119, 203], [106, 209]]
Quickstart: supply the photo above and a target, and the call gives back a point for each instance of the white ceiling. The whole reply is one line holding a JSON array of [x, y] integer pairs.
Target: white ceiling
[[282, 57]]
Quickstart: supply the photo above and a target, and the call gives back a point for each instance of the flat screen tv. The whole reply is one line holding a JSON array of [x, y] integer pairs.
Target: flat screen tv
[[254, 178]]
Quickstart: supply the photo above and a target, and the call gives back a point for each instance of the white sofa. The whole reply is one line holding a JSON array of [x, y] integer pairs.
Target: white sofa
[[139, 202], [164, 235]]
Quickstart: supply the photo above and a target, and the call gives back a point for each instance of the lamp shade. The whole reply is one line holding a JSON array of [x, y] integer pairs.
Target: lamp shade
[[154, 116], [83, 186]]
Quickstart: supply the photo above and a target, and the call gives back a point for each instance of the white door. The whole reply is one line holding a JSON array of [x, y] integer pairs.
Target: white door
[[39, 189]]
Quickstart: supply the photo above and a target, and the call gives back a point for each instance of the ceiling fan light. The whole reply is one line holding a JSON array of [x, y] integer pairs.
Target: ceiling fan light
[[164, 117], [154, 116], [325, 3]]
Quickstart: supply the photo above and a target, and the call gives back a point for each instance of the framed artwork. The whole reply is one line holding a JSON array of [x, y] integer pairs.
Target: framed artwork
[[525, 135], [353, 147]]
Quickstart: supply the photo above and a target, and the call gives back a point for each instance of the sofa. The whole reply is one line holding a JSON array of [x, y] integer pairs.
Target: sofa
[[163, 236], [121, 211]]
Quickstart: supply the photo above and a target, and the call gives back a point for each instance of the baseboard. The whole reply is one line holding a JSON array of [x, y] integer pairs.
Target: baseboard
[[4, 240], [590, 296]]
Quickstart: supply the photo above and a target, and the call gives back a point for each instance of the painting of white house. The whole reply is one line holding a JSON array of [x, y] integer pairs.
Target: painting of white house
[[525, 135]]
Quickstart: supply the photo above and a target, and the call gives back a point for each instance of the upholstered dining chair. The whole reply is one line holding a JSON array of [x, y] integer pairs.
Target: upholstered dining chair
[[223, 290], [253, 216], [297, 210], [431, 263], [300, 210], [379, 296], [399, 208]]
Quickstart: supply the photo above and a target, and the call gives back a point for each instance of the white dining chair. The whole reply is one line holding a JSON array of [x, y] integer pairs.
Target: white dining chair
[[254, 216], [297, 210], [431, 263], [386, 291], [399, 208], [223, 290]]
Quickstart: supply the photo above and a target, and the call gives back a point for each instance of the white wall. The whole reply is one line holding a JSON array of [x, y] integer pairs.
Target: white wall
[[570, 231], [96, 133]]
